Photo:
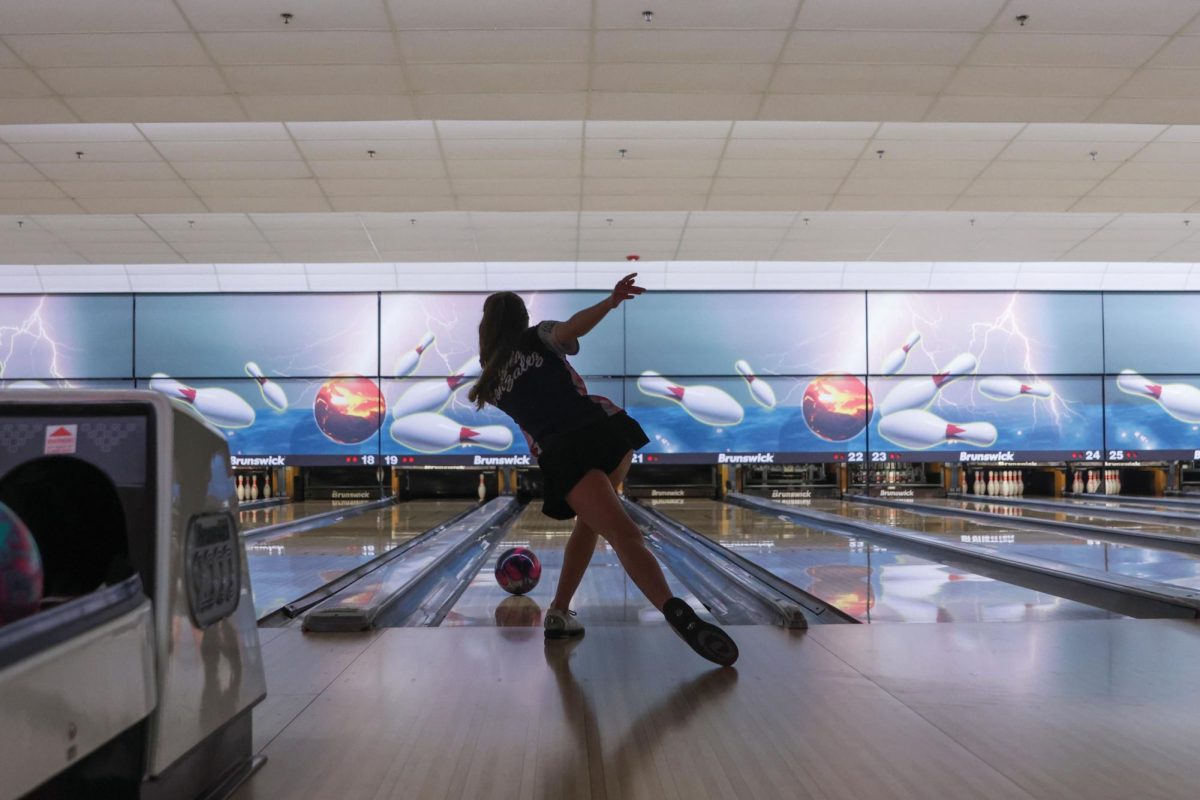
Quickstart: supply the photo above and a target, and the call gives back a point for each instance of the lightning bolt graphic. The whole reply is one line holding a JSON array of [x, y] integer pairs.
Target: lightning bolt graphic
[[34, 327]]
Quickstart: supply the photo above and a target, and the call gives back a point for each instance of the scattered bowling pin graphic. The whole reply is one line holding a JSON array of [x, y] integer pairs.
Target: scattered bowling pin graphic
[[272, 392], [432, 395], [412, 359], [708, 404], [762, 393], [434, 433], [482, 488], [916, 393], [895, 360], [1180, 400], [241, 490], [219, 406], [917, 429], [1002, 388]]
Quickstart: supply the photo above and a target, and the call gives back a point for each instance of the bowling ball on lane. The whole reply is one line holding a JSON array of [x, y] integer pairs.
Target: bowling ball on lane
[[348, 409], [518, 570], [20, 569], [836, 407]]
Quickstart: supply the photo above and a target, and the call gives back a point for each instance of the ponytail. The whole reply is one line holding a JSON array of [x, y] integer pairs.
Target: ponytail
[[504, 320]]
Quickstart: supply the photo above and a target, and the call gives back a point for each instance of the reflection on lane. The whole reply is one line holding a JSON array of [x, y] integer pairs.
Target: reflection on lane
[[284, 569], [1009, 538], [1078, 514], [606, 596], [252, 518], [874, 584], [1081, 505]]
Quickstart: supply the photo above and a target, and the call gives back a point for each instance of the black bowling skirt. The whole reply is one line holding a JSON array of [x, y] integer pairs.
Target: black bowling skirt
[[600, 445]]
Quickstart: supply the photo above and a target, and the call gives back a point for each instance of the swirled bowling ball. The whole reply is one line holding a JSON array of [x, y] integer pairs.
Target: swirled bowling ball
[[20, 569], [836, 407], [348, 409], [518, 570]]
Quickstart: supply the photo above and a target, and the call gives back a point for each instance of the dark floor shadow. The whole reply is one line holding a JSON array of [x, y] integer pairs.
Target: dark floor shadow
[[676, 708]]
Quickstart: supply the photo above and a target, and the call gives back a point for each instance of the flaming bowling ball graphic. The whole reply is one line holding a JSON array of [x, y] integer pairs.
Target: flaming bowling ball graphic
[[836, 407], [348, 409]]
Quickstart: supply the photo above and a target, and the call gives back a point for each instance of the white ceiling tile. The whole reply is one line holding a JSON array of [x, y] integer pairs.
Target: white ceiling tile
[[845, 107], [87, 16], [1182, 51], [406, 203], [302, 47], [309, 15], [794, 149], [91, 151], [877, 47], [212, 131], [367, 129], [1148, 203], [381, 168], [178, 108], [656, 149], [1162, 83], [785, 168], [70, 133], [949, 131], [1026, 48], [109, 50], [667, 105], [327, 106], [933, 15], [643, 202], [198, 170], [133, 81], [1103, 16], [747, 47], [698, 14], [659, 168], [181, 151], [860, 78], [1141, 109], [924, 150], [125, 189], [308, 79], [776, 186], [255, 188], [1025, 81], [669, 77], [1056, 150], [436, 14], [1050, 132], [563, 77], [359, 150], [368, 187], [21, 83], [35, 109], [110, 204], [1012, 109], [494, 46], [532, 105]]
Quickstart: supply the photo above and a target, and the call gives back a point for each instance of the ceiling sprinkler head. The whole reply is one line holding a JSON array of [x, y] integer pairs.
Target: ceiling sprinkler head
[[648, 16], [1022, 19], [287, 17], [622, 152]]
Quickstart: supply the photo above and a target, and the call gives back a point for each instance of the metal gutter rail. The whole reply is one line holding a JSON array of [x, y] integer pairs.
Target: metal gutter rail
[[359, 606], [732, 594], [280, 529], [1128, 596]]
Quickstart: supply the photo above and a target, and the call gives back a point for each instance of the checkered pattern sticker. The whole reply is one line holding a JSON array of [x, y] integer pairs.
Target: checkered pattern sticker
[[16, 436], [106, 436]]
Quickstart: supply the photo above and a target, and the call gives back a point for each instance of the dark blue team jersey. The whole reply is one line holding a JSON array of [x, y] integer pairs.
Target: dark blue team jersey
[[543, 394]]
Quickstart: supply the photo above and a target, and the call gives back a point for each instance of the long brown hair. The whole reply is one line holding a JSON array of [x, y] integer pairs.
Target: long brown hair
[[505, 318]]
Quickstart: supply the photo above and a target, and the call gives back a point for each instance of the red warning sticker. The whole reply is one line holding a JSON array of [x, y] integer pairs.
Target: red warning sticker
[[60, 439]]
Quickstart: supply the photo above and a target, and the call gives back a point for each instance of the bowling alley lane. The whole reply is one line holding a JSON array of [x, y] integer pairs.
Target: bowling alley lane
[[1080, 514], [1007, 537], [606, 596], [1157, 505], [251, 518], [873, 584], [284, 569]]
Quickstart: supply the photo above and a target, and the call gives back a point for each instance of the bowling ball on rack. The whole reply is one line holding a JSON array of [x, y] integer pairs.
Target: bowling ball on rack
[[348, 409], [20, 569], [836, 407], [518, 570]]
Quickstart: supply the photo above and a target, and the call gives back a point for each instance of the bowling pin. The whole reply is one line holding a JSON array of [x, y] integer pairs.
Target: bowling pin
[[482, 489], [1000, 388], [267, 486], [894, 361], [708, 404], [272, 392], [219, 406], [432, 395], [917, 430], [1180, 400], [763, 394], [253, 487], [241, 491], [434, 433], [412, 359], [917, 393], [1020, 484], [1116, 481]]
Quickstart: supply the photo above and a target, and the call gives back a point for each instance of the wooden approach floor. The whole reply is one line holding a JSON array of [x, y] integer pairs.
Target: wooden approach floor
[[1089, 709]]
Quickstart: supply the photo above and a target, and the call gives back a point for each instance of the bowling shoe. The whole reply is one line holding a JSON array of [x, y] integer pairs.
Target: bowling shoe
[[706, 639], [562, 624]]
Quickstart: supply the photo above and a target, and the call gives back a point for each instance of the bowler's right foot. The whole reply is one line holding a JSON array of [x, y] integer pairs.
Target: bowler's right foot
[[562, 624], [705, 638]]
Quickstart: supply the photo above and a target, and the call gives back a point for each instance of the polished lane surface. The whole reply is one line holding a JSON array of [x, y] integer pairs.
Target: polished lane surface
[[873, 584], [252, 518], [606, 595], [1115, 502], [1009, 538], [1077, 514], [284, 569]]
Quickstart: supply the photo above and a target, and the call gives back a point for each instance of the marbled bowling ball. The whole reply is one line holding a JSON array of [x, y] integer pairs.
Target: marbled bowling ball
[[836, 407], [349, 410], [20, 569], [518, 570]]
